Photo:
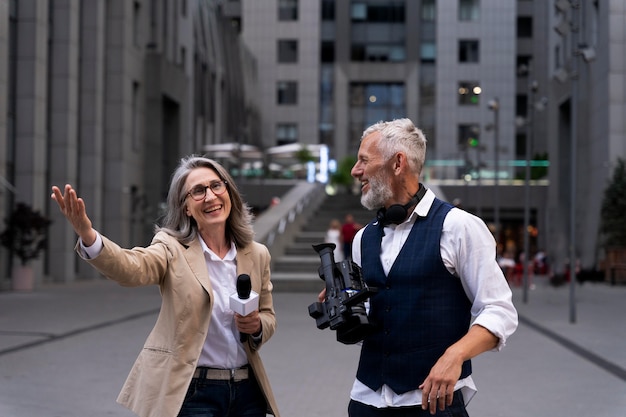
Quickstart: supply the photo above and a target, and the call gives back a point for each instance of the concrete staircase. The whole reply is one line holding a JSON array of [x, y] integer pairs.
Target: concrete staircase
[[297, 268]]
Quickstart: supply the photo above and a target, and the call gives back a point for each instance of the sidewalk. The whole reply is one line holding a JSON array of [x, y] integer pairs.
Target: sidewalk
[[65, 350]]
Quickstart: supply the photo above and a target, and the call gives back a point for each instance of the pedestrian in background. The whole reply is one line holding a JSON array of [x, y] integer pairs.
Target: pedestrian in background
[[442, 298], [348, 230], [201, 358], [333, 235]]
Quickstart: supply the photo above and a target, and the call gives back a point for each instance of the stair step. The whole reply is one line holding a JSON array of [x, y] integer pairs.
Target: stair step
[[297, 268], [298, 282]]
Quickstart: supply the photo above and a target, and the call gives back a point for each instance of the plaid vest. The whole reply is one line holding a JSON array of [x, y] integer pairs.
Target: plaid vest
[[420, 310]]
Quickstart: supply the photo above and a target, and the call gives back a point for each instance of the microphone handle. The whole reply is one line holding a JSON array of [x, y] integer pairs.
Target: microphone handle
[[243, 337]]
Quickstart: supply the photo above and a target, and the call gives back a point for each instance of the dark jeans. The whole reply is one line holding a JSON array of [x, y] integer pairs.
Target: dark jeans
[[210, 398], [457, 409]]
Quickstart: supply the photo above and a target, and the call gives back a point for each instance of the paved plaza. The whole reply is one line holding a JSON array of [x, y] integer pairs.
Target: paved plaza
[[65, 351]]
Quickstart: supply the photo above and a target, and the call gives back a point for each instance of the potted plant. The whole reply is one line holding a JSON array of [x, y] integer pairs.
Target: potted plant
[[25, 236], [613, 223]]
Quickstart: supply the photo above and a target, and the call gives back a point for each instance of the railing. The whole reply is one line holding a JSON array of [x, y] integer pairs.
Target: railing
[[277, 223]]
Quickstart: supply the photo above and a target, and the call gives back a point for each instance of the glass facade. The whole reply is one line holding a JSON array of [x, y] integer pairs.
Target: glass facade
[[373, 102], [378, 31]]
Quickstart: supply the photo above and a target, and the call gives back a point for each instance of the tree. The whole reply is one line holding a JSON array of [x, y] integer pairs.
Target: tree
[[613, 211], [342, 176]]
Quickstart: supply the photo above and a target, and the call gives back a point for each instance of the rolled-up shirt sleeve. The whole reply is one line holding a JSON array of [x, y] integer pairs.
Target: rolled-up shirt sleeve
[[468, 250]]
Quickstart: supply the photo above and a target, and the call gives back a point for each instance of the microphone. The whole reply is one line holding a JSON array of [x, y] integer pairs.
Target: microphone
[[244, 301], [244, 286]]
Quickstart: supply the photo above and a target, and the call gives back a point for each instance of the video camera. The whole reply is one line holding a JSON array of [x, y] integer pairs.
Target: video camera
[[344, 308]]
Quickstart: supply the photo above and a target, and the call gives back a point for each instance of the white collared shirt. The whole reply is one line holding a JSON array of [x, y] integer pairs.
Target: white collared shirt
[[222, 348], [468, 251]]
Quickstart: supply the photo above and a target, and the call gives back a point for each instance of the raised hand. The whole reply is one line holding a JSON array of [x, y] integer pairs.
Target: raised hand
[[73, 208]]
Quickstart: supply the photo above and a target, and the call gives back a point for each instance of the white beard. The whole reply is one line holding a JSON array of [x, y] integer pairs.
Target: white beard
[[379, 192]]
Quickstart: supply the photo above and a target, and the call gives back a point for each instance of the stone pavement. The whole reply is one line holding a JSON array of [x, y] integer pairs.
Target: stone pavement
[[65, 351]]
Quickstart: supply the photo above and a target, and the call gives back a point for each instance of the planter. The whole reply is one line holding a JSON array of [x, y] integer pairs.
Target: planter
[[22, 278], [616, 264]]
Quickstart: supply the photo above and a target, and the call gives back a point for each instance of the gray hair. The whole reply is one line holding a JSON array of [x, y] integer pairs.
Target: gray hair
[[401, 135], [184, 228]]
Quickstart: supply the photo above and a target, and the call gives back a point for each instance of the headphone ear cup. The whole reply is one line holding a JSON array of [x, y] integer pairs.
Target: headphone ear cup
[[380, 215], [396, 214]]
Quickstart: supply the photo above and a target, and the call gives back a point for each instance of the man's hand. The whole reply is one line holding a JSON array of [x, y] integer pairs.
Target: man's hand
[[438, 387], [322, 296]]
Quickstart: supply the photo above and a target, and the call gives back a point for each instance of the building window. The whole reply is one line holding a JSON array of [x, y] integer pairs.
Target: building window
[[287, 10], [372, 102], [469, 93], [135, 115], [136, 24], [427, 94], [383, 12], [429, 10], [469, 10], [358, 11], [378, 32], [428, 52], [469, 136], [328, 51], [521, 105], [286, 133], [328, 10], [287, 92], [468, 51], [523, 65], [525, 27], [378, 52], [287, 51]]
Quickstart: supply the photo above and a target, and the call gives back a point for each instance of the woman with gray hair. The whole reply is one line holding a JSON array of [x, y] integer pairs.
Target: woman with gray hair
[[201, 358]]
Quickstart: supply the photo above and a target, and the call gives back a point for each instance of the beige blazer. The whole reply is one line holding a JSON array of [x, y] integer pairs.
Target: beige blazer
[[158, 381]]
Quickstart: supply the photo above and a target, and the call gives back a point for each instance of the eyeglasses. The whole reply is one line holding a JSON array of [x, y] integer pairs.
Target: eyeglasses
[[198, 192]]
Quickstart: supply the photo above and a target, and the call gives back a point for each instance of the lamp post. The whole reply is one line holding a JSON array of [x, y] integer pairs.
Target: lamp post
[[533, 86], [494, 105], [573, 164]]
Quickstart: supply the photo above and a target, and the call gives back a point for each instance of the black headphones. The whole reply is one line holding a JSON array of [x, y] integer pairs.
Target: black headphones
[[397, 213]]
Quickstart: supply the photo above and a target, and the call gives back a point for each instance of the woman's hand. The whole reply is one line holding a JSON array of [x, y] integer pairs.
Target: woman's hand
[[73, 208], [250, 324]]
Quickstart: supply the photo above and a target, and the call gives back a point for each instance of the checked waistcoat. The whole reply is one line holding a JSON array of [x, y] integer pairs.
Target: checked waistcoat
[[419, 311]]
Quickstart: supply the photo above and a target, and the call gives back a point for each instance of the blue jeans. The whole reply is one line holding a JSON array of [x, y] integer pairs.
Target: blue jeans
[[457, 409], [211, 398]]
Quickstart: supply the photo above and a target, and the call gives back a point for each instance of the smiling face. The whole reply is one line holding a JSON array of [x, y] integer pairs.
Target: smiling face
[[372, 171], [213, 210]]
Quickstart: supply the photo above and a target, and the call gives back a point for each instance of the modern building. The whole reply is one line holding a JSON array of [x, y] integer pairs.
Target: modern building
[[492, 83], [328, 69], [107, 95], [587, 124]]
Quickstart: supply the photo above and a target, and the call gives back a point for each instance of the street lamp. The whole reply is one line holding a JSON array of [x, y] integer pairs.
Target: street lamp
[[494, 105], [533, 86]]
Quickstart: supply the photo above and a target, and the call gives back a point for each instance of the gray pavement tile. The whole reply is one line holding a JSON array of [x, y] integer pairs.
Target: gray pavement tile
[[65, 350]]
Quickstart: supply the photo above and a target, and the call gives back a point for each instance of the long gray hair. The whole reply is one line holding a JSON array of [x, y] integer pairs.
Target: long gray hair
[[184, 228]]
